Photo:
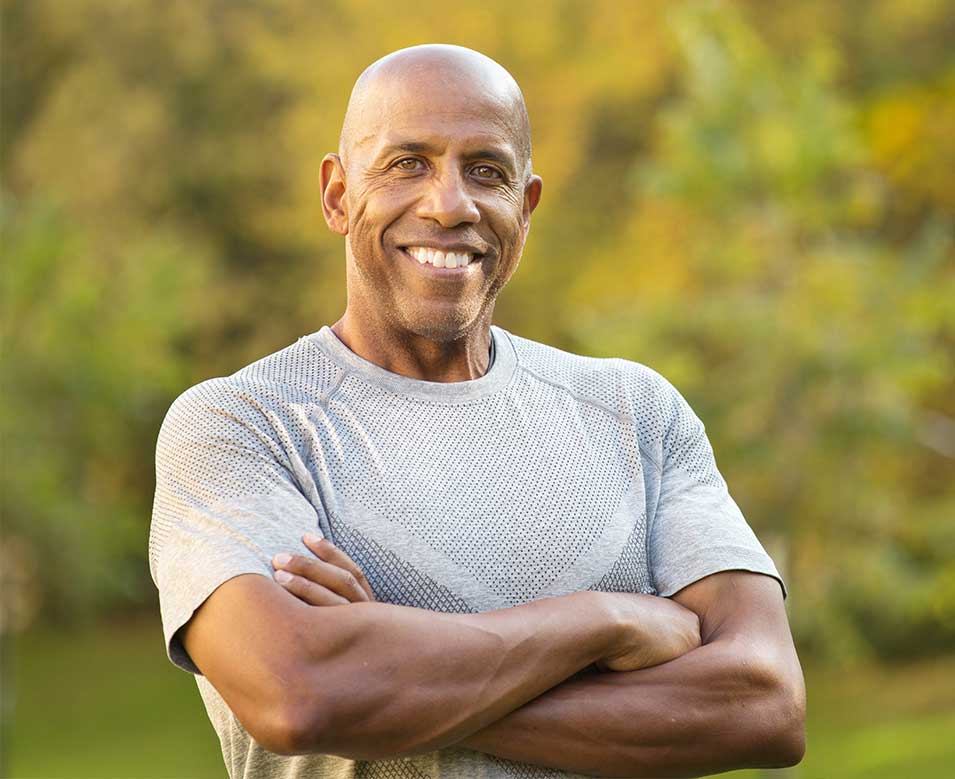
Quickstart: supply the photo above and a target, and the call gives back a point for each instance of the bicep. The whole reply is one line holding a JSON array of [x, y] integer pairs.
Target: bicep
[[746, 610]]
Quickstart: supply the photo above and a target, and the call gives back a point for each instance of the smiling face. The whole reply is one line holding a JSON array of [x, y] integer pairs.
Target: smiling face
[[432, 190]]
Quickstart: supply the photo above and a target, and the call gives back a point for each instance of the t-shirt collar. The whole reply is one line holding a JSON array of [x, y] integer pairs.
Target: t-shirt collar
[[500, 370]]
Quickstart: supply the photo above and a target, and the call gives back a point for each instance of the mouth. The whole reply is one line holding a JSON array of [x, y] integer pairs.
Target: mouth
[[443, 261]]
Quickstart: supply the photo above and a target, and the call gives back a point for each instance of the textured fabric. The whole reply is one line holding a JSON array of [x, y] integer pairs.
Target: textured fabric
[[550, 474]]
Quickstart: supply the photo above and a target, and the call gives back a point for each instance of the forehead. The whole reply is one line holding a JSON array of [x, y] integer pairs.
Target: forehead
[[438, 110]]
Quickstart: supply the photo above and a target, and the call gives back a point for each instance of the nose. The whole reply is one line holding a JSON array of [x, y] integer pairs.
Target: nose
[[448, 202]]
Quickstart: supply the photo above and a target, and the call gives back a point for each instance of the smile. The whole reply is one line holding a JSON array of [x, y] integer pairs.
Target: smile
[[438, 258]]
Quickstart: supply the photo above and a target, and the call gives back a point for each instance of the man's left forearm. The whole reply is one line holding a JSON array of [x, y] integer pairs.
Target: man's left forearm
[[738, 701], [716, 708]]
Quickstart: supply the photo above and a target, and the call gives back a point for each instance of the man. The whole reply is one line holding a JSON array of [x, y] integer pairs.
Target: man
[[516, 510]]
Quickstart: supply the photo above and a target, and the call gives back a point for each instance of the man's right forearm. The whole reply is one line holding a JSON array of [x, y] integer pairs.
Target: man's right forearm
[[373, 680], [390, 680]]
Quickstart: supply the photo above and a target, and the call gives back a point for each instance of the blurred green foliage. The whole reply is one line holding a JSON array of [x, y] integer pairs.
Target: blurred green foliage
[[756, 199]]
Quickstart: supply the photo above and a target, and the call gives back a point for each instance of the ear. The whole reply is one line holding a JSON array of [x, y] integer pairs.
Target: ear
[[333, 194], [532, 196]]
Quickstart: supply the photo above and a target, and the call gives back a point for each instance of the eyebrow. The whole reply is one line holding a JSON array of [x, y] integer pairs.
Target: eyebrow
[[422, 147]]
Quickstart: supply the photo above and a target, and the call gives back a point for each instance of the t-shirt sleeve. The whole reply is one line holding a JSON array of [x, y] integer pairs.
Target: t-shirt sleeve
[[697, 528], [226, 500]]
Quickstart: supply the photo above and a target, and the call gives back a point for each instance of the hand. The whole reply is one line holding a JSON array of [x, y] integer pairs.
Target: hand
[[654, 630], [331, 578]]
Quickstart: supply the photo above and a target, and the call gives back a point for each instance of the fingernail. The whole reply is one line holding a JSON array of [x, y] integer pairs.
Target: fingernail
[[283, 576], [282, 559], [311, 538]]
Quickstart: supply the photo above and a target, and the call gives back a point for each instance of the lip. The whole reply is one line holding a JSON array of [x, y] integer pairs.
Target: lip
[[427, 267], [460, 248]]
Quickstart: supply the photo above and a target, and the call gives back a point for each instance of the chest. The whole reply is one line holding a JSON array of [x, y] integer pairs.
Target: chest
[[463, 509]]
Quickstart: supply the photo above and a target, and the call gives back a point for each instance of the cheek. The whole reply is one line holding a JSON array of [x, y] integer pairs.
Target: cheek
[[505, 213], [510, 229], [372, 210]]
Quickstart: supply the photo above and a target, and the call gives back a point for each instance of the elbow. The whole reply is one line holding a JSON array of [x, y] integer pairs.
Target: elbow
[[302, 732], [792, 750], [769, 722], [322, 721], [782, 720], [288, 729], [299, 705], [289, 714], [789, 741], [785, 747]]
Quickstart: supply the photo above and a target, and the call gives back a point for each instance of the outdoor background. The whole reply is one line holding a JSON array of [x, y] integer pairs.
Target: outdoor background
[[757, 199]]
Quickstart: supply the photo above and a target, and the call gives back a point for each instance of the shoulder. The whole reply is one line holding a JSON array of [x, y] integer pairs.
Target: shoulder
[[301, 367], [298, 373], [624, 387]]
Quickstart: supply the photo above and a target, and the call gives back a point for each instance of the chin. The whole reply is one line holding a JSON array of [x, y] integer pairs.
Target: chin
[[450, 327]]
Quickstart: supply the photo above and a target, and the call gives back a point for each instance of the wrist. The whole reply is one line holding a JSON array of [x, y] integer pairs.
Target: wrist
[[606, 628]]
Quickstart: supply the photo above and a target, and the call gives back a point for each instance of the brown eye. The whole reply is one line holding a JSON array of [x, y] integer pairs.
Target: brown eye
[[486, 172], [408, 164]]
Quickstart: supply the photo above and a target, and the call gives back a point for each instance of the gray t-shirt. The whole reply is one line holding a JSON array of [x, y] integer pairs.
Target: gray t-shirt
[[552, 473]]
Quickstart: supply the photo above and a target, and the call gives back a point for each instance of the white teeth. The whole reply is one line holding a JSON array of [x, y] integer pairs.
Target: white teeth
[[438, 258]]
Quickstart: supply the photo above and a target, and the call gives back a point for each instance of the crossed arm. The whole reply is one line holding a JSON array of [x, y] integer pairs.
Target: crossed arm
[[372, 680], [736, 701]]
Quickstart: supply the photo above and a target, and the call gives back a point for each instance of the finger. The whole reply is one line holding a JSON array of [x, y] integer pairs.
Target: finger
[[310, 592], [336, 579], [330, 553]]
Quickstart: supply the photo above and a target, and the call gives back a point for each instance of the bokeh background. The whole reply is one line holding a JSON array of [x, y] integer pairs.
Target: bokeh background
[[755, 198]]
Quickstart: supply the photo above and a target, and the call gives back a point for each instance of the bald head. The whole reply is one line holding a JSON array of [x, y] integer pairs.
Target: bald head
[[382, 91]]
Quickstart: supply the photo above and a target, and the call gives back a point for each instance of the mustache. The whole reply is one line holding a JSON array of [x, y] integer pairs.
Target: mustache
[[467, 240]]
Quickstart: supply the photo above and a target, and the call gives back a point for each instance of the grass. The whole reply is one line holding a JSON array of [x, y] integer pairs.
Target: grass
[[106, 703]]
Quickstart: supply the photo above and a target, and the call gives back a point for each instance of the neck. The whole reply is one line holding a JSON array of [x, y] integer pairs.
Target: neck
[[417, 356]]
